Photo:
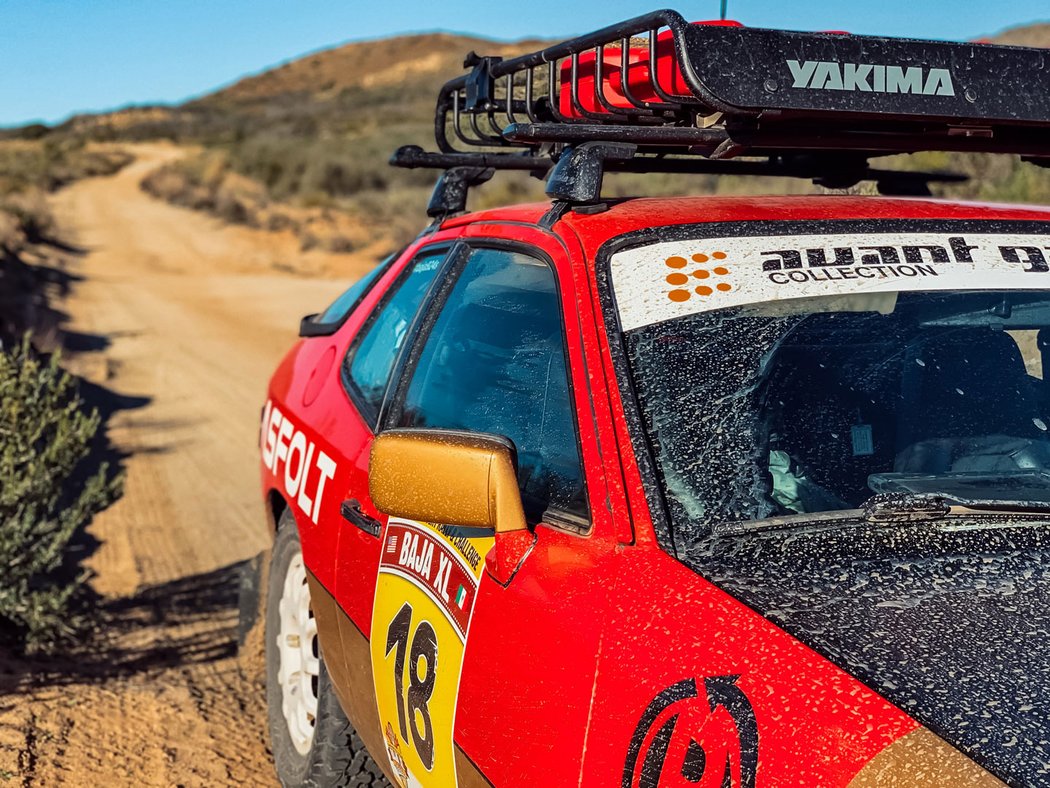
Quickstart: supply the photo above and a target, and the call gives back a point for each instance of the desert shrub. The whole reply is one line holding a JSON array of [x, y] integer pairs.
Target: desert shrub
[[46, 497], [27, 218], [993, 178], [48, 164]]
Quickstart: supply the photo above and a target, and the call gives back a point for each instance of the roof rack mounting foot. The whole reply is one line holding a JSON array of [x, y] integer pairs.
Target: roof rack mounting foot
[[578, 175], [450, 192], [553, 215]]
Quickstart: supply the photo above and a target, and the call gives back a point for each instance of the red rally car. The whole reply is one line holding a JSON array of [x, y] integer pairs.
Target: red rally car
[[684, 491]]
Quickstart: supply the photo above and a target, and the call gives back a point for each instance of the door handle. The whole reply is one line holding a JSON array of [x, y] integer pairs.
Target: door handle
[[351, 511]]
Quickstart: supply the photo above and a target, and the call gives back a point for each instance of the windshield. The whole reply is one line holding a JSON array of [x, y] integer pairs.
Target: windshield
[[800, 407], [753, 414]]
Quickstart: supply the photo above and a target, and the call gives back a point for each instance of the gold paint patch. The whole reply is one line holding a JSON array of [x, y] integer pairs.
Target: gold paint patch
[[922, 760]]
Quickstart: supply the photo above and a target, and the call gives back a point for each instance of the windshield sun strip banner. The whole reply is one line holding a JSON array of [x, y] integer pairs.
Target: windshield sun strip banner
[[688, 275]]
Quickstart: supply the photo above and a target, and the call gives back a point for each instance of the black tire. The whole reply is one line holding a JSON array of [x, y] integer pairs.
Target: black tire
[[336, 755]]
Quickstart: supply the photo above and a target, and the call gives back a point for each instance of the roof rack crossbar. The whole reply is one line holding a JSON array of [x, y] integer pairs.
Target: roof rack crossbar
[[806, 166], [693, 139], [413, 157], [582, 170]]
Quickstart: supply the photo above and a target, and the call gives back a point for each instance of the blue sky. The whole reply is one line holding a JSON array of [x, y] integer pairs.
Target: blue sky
[[65, 56]]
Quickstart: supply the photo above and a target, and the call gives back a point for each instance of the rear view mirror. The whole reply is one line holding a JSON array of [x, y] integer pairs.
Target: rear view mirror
[[448, 477]]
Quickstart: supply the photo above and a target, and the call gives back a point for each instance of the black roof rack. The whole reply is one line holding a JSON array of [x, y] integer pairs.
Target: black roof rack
[[699, 97]]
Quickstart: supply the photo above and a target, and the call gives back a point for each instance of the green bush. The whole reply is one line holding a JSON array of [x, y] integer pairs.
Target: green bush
[[45, 436]]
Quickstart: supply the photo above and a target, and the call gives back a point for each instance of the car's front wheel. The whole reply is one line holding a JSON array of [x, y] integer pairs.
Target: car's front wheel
[[313, 743]]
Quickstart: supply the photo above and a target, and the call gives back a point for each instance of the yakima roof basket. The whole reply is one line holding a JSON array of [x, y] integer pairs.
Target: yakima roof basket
[[719, 91]]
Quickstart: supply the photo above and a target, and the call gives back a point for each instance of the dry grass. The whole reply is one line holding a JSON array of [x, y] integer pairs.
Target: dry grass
[[31, 168], [207, 182], [52, 162], [25, 218], [28, 170]]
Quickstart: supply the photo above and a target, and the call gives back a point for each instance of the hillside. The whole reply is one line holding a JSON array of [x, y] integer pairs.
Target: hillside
[[345, 90], [386, 63], [1037, 35]]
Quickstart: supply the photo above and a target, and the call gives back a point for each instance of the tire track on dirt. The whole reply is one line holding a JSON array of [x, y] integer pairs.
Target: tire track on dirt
[[187, 318]]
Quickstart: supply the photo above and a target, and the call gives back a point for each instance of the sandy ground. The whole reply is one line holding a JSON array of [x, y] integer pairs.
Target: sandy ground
[[183, 319]]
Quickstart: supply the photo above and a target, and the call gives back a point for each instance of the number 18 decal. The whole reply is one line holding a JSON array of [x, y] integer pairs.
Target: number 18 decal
[[428, 579], [424, 648]]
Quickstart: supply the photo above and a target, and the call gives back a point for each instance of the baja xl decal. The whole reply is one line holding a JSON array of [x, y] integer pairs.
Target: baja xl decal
[[668, 280], [428, 580], [685, 738], [306, 468]]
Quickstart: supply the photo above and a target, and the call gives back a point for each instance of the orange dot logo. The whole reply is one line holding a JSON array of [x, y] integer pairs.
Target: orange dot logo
[[678, 278]]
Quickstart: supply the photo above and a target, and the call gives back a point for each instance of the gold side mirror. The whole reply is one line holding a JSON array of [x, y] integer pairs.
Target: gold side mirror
[[448, 477]]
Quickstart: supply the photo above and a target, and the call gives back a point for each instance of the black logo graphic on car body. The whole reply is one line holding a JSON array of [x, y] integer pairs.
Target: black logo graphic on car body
[[684, 739]]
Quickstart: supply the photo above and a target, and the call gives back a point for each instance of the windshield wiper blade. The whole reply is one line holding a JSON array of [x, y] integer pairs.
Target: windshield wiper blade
[[918, 507], [905, 507], [890, 508]]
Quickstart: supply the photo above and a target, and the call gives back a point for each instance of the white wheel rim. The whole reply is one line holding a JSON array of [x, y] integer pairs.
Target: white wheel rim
[[298, 665]]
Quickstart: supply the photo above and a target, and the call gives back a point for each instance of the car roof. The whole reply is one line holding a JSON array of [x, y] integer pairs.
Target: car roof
[[626, 216]]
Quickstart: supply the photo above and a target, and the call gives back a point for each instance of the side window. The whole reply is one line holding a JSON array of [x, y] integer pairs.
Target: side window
[[331, 319], [371, 357], [495, 362], [344, 304]]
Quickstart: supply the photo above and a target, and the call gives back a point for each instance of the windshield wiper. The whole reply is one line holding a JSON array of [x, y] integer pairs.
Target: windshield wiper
[[918, 507], [889, 508], [905, 507]]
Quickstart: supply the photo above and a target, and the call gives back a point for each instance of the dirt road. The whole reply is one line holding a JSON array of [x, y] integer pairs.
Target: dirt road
[[182, 319]]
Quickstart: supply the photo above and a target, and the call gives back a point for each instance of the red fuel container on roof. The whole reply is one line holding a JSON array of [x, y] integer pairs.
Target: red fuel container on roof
[[639, 84]]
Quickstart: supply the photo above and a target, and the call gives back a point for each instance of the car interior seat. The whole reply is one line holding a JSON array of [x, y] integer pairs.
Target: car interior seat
[[973, 382], [834, 415]]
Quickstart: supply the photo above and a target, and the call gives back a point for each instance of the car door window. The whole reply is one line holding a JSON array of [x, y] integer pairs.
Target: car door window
[[495, 362], [341, 308], [371, 357]]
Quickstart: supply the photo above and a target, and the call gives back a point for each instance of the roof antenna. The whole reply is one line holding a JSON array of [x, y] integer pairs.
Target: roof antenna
[[724, 4]]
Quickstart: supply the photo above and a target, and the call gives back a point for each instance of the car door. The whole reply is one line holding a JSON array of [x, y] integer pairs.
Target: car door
[[483, 674], [346, 421]]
